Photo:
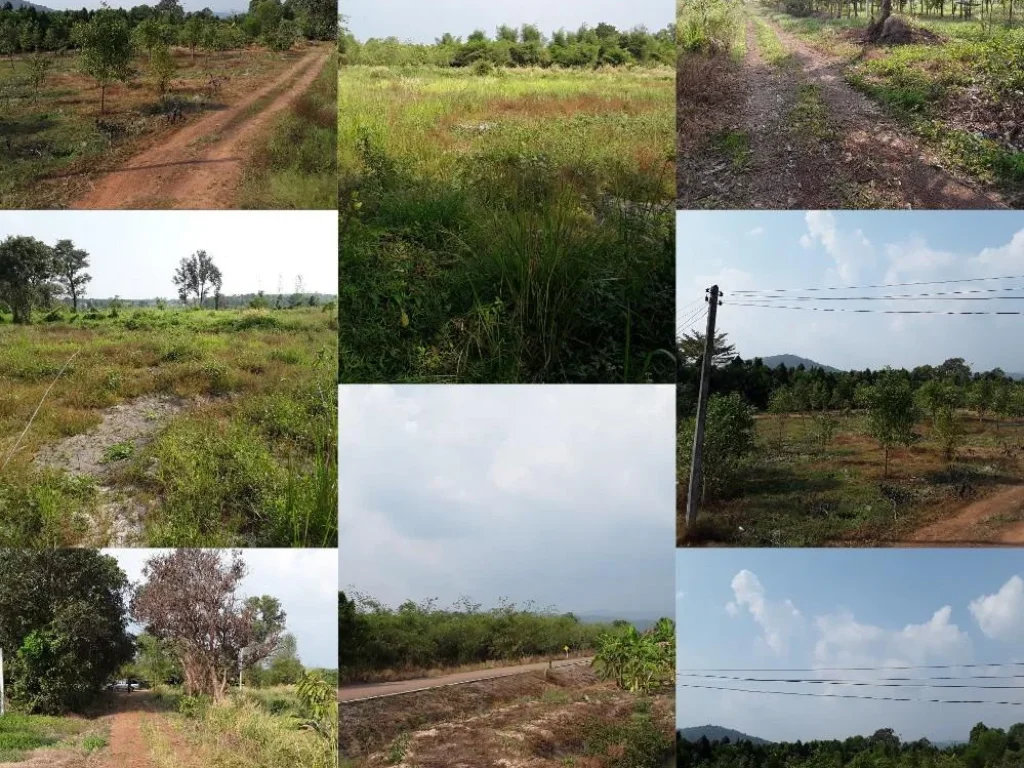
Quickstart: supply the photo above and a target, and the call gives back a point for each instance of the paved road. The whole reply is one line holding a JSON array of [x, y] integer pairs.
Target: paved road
[[353, 693]]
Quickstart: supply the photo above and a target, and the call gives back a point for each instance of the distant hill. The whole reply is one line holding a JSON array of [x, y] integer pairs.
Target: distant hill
[[717, 733], [792, 361], [16, 4]]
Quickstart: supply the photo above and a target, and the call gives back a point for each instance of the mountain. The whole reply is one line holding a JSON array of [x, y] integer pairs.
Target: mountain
[[16, 4], [792, 361], [717, 733]]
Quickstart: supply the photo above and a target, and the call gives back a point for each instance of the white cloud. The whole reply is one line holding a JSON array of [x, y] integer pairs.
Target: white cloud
[[780, 621], [915, 258], [845, 642], [1001, 616], [756, 231], [851, 251], [1005, 258]]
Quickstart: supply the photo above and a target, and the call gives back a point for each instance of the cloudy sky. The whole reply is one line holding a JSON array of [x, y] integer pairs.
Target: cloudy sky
[[820, 609], [424, 22], [304, 580], [560, 495], [752, 250], [133, 254]]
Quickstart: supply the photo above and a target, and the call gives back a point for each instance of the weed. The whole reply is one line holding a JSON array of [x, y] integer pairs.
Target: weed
[[119, 452]]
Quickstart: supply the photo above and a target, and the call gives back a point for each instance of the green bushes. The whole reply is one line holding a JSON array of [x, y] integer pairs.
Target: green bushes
[[377, 639], [728, 441], [707, 26]]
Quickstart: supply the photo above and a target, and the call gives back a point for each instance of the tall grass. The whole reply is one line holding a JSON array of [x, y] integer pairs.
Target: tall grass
[[707, 26], [513, 227]]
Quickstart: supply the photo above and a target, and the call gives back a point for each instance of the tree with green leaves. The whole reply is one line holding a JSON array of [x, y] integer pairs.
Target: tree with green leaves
[[691, 348], [728, 441], [63, 624], [892, 414], [69, 265], [155, 660], [193, 32], [26, 268], [106, 44], [196, 276], [948, 431], [161, 69]]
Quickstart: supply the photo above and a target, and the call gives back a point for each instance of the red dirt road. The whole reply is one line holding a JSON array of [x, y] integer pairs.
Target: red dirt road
[[379, 690], [977, 523], [199, 166]]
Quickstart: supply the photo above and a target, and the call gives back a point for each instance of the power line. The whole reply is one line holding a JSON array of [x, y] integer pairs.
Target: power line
[[826, 680], [897, 668], [881, 285], [875, 311], [896, 297], [696, 318], [854, 696]]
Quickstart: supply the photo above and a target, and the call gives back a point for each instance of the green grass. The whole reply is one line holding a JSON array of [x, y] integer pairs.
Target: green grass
[[515, 227], [735, 145], [20, 734], [809, 116], [771, 47], [294, 168], [249, 458]]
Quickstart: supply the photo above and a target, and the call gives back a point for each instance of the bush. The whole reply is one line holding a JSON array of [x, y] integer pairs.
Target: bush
[[728, 441]]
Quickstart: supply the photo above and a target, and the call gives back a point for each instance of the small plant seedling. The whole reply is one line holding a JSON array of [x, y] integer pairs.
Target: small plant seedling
[[119, 452]]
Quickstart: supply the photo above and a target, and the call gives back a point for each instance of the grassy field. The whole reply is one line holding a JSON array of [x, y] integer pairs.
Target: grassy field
[[513, 226], [50, 138], [170, 427], [294, 167], [23, 735], [960, 89], [797, 493], [565, 717]]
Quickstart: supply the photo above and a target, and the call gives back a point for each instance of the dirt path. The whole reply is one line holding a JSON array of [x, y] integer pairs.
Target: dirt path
[[813, 142], [200, 166], [978, 523], [354, 693]]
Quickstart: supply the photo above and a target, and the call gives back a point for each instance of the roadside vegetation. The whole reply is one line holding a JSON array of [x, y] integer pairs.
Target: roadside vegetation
[[78, 605], [89, 87], [295, 166], [506, 214], [796, 457], [420, 639], [615, 713], [161, 422]]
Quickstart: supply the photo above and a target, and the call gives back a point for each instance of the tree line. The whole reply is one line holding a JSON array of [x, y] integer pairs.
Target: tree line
[[963, 9], [375, 638], [65, 617], [524, 46], [986, 748]]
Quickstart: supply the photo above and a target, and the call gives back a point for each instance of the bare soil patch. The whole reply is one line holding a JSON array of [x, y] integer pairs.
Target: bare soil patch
[[982, 523]]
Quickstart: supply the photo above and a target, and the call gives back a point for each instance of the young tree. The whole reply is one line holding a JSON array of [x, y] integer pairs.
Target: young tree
[[949, 431], [161, 69], [980, 397], [106, 45], [193, 32], [728, 440], [69, 265], [39, 65], [196, 275], [148, 35], [63, 626], [26, 268], [892, 414], [284, 667], [190, 600]]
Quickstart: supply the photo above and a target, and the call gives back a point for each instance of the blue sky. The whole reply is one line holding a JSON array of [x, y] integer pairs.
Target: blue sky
[[423, 22], [809, 609], [757, 250], [133, 254], [563, 495]]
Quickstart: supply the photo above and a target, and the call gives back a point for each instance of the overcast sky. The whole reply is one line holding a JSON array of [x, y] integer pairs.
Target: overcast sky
[[133, 254], [756, 250], [304, 580], [814, 609], [563, 495], [424, 22]]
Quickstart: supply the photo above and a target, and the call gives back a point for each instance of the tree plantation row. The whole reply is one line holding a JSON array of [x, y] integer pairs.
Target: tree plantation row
[[987, 748], [526, 46]]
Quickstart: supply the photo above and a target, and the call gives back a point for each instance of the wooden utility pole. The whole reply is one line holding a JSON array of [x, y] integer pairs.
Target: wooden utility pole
[[1, 681], [693, 491]]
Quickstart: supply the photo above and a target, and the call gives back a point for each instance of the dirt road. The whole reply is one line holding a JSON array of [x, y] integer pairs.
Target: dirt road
[[802, 138], [997, 519], [199, 166], [380, 690]]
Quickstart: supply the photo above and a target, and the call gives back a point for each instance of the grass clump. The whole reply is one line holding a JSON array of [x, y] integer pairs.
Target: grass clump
[[21, 734]]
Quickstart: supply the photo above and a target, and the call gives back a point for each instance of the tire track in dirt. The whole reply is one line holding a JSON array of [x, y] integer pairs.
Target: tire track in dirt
[[199, 166], [878, 151], [968, 526], [813, 143]]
